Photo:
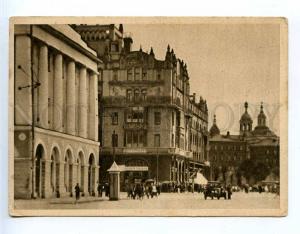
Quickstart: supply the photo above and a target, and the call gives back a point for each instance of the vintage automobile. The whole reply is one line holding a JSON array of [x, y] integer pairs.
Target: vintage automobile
[[214, 190]]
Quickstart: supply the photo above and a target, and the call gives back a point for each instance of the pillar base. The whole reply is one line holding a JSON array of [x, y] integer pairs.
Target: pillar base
[[113, 199]]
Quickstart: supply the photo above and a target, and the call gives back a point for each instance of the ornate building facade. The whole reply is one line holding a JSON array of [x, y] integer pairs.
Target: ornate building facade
[[55, 112], [151, 124], [228, 152]]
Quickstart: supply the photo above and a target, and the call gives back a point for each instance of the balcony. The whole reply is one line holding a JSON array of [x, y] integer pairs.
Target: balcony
[[136, 126]]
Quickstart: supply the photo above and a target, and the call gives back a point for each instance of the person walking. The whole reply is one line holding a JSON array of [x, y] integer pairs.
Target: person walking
[[99, 189], [77, 193], [229, 192]]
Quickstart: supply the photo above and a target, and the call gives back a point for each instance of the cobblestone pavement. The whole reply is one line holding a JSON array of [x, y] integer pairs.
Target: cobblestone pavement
[[239, 200]]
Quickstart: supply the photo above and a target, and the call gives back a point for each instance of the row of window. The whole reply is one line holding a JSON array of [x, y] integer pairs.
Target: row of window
[[226, 158], [229, 147], [136, 74], [136, 95], [135, 138], [196, 140], [135, 116]]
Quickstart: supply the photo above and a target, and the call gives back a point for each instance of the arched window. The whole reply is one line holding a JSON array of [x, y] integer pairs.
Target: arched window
[[136, 94]]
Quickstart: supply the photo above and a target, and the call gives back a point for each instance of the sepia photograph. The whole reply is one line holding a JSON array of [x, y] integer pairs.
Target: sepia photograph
[[148, 116]]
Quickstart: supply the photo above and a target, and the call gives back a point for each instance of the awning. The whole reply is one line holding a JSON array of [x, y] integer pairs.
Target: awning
[[199, 179]]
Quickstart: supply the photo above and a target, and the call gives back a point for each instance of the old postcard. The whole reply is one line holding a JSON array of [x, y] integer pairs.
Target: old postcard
[[157, 116]]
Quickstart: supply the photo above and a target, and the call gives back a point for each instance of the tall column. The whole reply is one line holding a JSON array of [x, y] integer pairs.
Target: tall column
[[86, 180], [48, 190], [43, 78], [93, 107], [62, 188], [82, 103], [58, 93], [71, 98]]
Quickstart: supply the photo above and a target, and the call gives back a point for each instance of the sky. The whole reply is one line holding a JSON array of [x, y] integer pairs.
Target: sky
[[228, 64]]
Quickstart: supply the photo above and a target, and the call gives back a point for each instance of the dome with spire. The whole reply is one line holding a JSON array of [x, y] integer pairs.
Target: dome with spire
[[214, 130], [245, 122], [261, 119], [246, 117], [262, 129]]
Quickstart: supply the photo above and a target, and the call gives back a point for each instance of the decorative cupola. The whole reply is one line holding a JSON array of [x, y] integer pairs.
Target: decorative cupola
[[214, 130], [261, 119], [245, 122]]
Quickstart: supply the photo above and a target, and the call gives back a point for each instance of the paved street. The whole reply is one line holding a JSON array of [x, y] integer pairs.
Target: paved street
[[239, 200]]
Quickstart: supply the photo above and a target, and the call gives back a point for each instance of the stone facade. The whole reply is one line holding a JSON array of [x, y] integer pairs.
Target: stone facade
[[55, 112], [228, 152], [150, 122]]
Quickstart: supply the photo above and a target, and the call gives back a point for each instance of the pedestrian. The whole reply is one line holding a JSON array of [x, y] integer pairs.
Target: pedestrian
[[229, 192], [99, 189], [158, 188], [77, 192], [107, 190]]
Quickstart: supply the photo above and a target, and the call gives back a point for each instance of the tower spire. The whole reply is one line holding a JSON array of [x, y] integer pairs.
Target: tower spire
[[246, 106], [261, 107], [215, 120]]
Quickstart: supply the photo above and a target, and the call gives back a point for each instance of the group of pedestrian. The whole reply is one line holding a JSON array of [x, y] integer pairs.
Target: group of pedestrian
[[140, 190]]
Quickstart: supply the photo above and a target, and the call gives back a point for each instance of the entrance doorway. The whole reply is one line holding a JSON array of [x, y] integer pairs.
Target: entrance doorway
[[91, 175], [39, 172]]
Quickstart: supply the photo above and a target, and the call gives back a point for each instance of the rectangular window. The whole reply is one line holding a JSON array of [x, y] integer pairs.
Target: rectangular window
[[128, 95], [136, 95], [114, 118], [130, 74], [157, 140], [144, 75], [158, 75], [129, 138], [115, 75], [114, 140], [137, 73], [114, 47], [144, 94], [134, 138], [157, 118], [141, 138]]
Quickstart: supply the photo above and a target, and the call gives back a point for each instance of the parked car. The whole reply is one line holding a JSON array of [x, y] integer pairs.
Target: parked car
[[214, 190]]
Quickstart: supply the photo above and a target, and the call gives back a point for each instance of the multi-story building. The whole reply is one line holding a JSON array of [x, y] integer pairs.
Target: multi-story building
[[55, 112], [228, 152], [150, 123]]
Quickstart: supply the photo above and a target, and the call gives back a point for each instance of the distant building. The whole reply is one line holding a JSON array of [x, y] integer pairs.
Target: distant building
[[150, 122], [228, 152], [55, 112]]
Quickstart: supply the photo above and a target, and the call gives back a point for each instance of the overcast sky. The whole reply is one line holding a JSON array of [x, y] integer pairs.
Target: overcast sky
[[227, 64]]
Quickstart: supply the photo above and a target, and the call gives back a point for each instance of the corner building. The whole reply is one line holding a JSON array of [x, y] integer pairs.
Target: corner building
[[150, 123], [55, 112]]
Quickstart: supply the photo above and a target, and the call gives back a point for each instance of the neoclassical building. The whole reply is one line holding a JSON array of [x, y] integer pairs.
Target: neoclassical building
[[55, 112], [151, 123]]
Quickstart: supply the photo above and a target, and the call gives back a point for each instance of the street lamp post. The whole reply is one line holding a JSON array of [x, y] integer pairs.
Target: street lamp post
[[157, 165], [114, 145]]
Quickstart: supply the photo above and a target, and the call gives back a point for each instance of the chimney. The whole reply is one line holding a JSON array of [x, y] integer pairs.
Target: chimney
[[127, 44]]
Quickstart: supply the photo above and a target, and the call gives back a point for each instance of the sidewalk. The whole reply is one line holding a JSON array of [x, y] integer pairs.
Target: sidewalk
[[71, 200]]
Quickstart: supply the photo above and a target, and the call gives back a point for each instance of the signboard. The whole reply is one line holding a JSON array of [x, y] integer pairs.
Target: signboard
[[136, 168]]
